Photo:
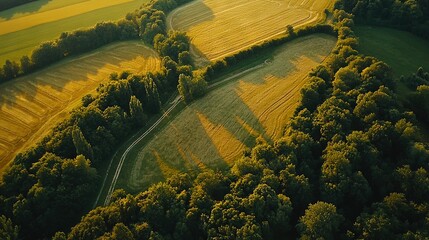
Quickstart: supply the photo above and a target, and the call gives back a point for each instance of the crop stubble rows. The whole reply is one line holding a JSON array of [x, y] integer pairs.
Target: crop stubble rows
[[25, 27], [30, 106], [221, 27], [213, 131]]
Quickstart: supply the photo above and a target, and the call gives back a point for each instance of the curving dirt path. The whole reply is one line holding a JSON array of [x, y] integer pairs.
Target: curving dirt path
[[174, 103], [259, 103]]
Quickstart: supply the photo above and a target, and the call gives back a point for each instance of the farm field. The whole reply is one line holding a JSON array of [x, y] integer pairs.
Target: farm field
[[221, 27], [30, 106], [403, 51], [213, 131], [25, 27]]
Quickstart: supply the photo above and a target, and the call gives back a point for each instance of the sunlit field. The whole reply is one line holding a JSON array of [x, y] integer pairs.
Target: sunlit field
[[205, 135], [25, 27], [221, 27], [30, 106]]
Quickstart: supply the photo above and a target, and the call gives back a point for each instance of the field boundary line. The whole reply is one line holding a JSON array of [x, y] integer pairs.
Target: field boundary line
[[175, 102], [124, 155], [313, 17]]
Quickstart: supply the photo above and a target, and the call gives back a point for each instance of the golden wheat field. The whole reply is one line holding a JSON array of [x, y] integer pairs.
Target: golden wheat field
[[30, 106], [24, 27], [213, 131], [221, 27], [21, 22]]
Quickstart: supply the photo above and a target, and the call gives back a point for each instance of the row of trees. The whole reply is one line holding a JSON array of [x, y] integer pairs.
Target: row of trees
[[411, 15], [196, 84], [68, 44], [220, 67], [145, 23], [418, 99], [351, 165], [48, 187]]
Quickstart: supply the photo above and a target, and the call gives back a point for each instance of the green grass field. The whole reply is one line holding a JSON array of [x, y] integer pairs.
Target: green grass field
[[403, 51], [25, 27], [31, 105], [213, 131]]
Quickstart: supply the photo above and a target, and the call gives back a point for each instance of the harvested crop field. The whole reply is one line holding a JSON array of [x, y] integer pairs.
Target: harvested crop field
[[221, 27], [30, 106], [25, 27], [213, 131]]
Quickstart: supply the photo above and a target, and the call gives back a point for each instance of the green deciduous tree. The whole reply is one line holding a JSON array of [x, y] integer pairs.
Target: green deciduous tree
[[81, 144], [136, 112], [320, 221], [8, 231], [191, 88]]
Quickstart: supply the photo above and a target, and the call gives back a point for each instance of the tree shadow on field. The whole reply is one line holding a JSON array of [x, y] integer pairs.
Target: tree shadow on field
[[179, 147], [32, 100], [195, 13], [211, 132], [31, 7], [241, 114], [82, 70]]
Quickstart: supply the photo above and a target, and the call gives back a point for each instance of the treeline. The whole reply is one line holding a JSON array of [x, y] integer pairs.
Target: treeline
[[410, 15], [195, 85], [220, 67], [68, 44], [418, 100], [6, 4], [48, 187], [350, 165], [145, 23]]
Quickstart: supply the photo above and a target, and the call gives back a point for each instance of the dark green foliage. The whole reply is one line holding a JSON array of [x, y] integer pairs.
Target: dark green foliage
[[320, 221], [6, 4], [26, 65], [136, 112], [174, 45], [7, 230], [411, 15], [420, 103], [81, 144], [57, 188], [350, 164], [10, 70], [48, 188], [45, 54], [191, 88]]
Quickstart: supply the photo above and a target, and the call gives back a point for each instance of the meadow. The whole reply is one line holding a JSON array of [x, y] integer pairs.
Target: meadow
[[25, 27], [221, 27], [403, 51], [213, 131], [31, 105]]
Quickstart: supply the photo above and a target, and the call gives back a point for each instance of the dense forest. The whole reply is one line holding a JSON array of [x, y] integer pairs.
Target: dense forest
[[352, 163], [58, 176], [410, 15]]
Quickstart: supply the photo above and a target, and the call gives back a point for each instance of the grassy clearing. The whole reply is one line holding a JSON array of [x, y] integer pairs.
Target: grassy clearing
[[213, 131], [403, 51], [25, 27], [30, 106], [221, 27]]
